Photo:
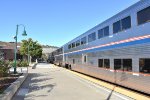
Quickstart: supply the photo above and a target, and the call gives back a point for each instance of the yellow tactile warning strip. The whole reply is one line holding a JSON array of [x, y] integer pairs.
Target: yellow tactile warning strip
[[129, 93]]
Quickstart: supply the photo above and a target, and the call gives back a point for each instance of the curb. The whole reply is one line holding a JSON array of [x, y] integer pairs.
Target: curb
[[34, 66], [11, 90]]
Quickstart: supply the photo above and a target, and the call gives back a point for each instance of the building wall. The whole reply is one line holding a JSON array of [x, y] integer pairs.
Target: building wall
[[8, 54], [1, 55]]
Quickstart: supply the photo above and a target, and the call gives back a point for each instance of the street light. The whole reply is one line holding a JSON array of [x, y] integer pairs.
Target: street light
[[23, 34]]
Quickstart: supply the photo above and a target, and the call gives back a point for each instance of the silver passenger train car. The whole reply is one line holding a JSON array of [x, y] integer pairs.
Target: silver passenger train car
[[117, 50]]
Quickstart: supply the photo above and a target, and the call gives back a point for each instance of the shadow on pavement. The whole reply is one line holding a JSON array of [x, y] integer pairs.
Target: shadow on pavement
[[108, 98], [115, 77], [35, 82]]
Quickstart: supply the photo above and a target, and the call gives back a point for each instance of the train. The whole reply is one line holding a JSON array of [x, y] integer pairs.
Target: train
[[116, 50]]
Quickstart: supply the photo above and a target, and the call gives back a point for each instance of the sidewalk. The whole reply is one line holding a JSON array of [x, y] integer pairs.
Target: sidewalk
[[47, 82], [36, 85]]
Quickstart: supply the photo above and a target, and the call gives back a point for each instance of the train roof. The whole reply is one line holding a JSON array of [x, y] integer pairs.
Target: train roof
[[111, 18]]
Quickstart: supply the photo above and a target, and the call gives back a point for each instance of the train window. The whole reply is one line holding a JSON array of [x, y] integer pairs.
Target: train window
[[126, 23], [143, 16], [83, 40], [100, 62], [73, 44], [77, 43], [144, 65], [106, 63], [127, 64], [69, 46], [100, 33], [106, 31], [117, 64], [61, 49], [91, 37], [122, 24], [123, 64], [103, 32], [117, 26]]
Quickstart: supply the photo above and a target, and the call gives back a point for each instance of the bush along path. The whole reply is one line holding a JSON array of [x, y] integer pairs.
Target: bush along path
[[6, 78]]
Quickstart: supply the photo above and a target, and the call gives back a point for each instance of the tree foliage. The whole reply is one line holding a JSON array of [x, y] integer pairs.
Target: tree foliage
[[35, 49], [4, 68]]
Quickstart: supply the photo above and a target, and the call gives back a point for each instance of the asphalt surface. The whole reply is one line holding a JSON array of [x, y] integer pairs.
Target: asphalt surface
[[47, 82]]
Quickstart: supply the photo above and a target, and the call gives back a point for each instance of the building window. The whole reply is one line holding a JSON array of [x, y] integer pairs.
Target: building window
[[69, 46], [144, 65], [143, 16], [122, 24], [73, 44], [103, 32], [77, 43], [126, 23], [83, 40], [91, 37], [105, 63], [123, 64]]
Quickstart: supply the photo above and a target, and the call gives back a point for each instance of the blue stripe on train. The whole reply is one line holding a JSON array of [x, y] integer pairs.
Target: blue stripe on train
[[114, 46]]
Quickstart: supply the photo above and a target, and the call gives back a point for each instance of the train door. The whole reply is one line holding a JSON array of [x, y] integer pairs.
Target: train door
[[73, 61], [84, 58]]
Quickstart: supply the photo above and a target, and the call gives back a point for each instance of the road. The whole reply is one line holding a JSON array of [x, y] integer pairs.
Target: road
[[47, 82]]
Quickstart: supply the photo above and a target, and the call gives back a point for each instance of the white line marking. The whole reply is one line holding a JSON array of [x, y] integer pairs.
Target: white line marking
[[136, 74], [120, 96]]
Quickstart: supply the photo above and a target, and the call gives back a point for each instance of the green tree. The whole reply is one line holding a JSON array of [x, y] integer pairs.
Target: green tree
[[35, 49]]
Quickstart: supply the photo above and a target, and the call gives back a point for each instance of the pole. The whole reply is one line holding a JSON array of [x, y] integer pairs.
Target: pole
[[15, 64], [15, 49]]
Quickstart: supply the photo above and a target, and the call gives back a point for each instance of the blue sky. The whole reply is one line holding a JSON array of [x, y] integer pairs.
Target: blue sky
[[55, 22]]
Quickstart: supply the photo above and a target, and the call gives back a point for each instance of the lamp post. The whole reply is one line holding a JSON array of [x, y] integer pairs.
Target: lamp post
[[23, 34]]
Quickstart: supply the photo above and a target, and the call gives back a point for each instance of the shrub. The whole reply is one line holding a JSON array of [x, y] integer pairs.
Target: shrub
[[24, 64], [4, 68], [19, 64], [11, 64], [5, 65]]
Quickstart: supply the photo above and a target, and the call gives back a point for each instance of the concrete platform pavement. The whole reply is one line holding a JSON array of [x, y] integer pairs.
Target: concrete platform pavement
[[47, 82]]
